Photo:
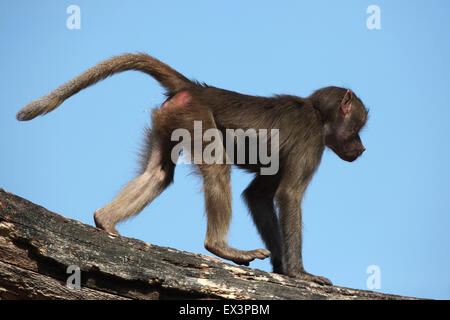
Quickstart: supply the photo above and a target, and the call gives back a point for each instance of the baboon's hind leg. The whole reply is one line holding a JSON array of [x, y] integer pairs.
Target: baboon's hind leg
[[139, 192], [218, 208], [217, 189]]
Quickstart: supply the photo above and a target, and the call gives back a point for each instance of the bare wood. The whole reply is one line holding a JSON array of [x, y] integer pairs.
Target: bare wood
[[37, 246]]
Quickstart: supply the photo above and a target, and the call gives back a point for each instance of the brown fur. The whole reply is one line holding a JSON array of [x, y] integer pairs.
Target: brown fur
[[330, 117]]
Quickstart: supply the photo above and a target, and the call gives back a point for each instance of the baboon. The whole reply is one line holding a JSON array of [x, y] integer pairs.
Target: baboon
[[330, 117]]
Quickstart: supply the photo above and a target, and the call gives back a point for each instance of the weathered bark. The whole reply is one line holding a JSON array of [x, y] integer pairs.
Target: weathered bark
[[37, 246]]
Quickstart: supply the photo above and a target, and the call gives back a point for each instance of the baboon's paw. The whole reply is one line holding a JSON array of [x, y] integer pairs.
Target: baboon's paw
[[101, 222]]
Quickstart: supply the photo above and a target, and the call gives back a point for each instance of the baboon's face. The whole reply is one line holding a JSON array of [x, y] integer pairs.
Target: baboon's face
[[341, 134]]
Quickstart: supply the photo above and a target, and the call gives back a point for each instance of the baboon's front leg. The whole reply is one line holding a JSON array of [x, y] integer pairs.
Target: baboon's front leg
[[259, 197]]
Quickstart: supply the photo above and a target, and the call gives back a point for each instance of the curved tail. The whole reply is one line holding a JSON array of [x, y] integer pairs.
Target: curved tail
[[165, 75]]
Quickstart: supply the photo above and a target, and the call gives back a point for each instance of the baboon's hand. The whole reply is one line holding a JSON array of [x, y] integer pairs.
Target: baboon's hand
[[309, 277]]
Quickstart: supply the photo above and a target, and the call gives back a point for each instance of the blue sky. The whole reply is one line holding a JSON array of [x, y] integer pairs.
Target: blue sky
[[390, 208]]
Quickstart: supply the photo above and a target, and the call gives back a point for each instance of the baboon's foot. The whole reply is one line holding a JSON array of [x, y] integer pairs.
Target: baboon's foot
[[237, 256], [102, 221]]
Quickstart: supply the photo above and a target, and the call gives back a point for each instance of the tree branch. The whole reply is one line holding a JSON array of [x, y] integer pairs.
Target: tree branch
[[37, 246]]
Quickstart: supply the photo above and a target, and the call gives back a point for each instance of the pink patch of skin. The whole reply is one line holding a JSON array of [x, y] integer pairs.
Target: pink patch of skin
[[181, 99]]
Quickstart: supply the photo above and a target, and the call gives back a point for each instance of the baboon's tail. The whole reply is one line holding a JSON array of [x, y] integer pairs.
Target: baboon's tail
[[165, 75]]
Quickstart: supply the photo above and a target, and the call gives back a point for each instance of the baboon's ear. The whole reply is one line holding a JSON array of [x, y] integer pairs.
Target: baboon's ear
[[346, 103]]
